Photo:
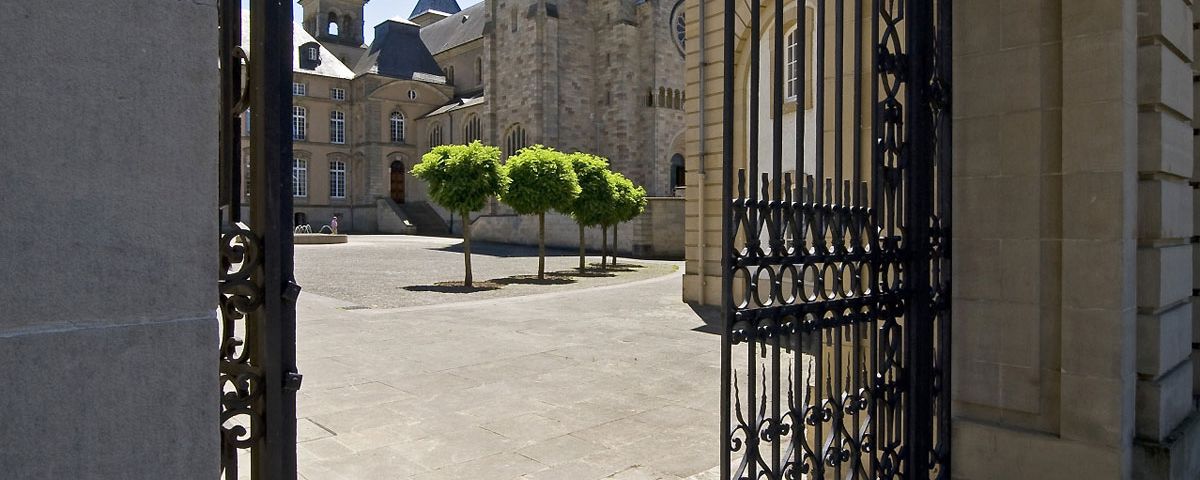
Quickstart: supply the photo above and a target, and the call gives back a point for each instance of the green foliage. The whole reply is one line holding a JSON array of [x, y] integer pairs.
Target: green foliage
[[629, 200], [541, 179], [596, 195], [462, 177]]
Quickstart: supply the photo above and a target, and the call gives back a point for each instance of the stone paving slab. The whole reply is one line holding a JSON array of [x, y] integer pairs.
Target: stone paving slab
[[611, 381]]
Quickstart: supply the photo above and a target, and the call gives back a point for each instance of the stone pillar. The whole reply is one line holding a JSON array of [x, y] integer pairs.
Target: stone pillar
[[108, 335], [1167, 437], [1044, 216]]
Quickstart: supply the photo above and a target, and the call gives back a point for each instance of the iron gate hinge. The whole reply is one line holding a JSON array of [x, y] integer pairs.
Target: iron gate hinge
[[291, 292], [292, 381]]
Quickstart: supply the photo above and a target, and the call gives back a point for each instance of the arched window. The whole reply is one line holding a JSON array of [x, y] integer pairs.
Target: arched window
[[449, 75], [299, 123], [479, 70], [662, 96], [516, 140], [337, 179], [397, 127], [471, 130], [331, 27], [337, 127], [435, 135], [299, 177], [678, 173], [650, 97]]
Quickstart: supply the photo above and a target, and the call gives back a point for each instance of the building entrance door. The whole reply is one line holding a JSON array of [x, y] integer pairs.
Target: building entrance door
[[398, 182]]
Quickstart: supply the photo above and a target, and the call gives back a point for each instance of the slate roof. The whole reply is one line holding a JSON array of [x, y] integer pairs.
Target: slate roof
[[330, 65], [454, 30], [444, 6], [456, 104], [398, 52]]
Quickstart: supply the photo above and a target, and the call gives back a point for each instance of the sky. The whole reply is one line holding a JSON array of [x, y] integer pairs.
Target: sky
[[378, 11]]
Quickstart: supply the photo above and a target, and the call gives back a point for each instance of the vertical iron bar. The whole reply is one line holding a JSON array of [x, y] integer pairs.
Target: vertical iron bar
[[859, 70], [819, 104], [271, 148], [945, 206], [777, 235], [857, 237], [839, 88], [918, 210], [753, 449], [727, 241], [230, 127], [801, 55], [874, 219]]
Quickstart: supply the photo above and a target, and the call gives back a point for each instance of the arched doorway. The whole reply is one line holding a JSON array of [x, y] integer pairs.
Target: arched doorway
[[397, 181]]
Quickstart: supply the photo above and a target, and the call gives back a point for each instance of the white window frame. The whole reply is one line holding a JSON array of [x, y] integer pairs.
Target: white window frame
[[398, 127], [337, 127], [337, 93], [314, 53], [792, 64], [337, 179], [299, 89], [299, 123], [299, 177]]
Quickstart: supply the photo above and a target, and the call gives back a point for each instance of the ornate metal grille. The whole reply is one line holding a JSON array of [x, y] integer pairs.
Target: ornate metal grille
[[257, 292], [836, 251]]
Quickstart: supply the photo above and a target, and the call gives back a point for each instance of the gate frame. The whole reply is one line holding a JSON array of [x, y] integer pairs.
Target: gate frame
[[258, 292]]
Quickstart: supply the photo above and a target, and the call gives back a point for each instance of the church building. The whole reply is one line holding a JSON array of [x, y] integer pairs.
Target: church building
[[604, 77]]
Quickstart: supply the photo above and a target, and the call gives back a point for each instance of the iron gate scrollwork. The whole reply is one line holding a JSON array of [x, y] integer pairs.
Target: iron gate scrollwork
[[836, 261], [257, 292]]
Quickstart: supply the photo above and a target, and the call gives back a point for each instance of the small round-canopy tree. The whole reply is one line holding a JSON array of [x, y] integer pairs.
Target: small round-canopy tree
[[540, 179], [461, 178], [629, 202], [596, 195]]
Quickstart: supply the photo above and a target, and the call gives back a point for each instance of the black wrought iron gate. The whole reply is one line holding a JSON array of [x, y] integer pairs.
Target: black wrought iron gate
[[836, 250], [257, 291]]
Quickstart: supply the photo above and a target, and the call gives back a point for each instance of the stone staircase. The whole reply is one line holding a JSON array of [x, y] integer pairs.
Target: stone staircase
[[426, 220]]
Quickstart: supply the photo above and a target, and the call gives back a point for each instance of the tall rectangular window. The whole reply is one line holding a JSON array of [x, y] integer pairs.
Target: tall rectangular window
[[791, 67], [337, 127], [299, 89], [337, 179], [337, 94], [299, 177], [299, 123]]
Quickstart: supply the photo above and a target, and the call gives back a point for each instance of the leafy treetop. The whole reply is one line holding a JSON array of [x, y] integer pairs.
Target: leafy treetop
[[629, 200], [462, 177], [540, 179], [596, 193]]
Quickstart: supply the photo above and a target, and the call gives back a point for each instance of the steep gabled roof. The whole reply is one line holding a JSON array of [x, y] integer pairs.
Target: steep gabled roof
[[444, 6], [454, 30], [398, 52], [329, 66]]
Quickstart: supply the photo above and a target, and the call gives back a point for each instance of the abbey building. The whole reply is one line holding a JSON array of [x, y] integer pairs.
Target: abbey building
[[604, 77]]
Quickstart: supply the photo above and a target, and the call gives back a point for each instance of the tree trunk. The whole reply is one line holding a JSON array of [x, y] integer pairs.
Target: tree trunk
[[615, 247], [582, 250], [604, 248], [466, 221], [542, 246]]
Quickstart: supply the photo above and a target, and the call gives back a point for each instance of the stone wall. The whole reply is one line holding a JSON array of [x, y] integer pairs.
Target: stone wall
[[108, 335], [655, 234]]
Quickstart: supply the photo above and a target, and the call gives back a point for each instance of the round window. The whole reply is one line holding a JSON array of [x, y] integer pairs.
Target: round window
[[679, 27], [412, 94]]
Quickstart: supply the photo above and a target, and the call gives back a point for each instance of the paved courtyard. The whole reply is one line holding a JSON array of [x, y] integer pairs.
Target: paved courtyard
[[599, 377]]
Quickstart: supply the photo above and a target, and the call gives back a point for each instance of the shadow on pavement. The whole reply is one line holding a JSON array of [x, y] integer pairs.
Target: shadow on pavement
[[454, 287], [504, 250], [710, 315]]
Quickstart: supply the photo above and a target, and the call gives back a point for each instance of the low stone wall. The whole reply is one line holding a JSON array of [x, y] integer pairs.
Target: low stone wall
[[658, 233]]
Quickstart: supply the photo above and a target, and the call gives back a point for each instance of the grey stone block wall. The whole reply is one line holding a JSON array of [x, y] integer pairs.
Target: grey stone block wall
[[108, 334]]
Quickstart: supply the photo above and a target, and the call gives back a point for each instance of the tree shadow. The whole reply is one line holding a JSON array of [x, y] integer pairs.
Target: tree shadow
[[455, 287], [552, 278], [618, 267], [504, 250]]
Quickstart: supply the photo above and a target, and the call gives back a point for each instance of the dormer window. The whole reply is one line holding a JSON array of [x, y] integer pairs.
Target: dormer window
[[313, 53], [310, 56]]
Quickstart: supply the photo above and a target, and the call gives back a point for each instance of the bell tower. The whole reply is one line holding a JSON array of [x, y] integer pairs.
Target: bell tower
[[338, 25]]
